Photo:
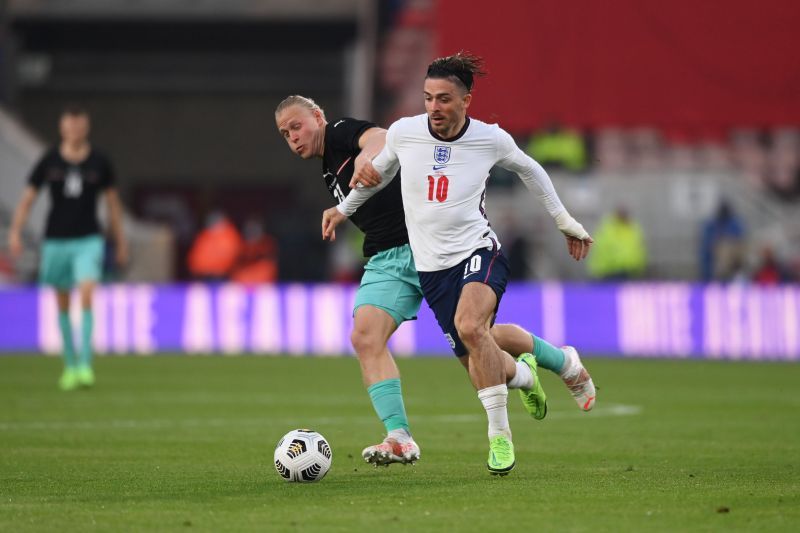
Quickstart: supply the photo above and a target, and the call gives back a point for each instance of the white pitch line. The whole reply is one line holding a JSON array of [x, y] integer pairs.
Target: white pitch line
[[610, 410]]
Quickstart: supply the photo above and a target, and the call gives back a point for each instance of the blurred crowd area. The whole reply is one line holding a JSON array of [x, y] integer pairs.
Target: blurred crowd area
[[768, 159], [182, 99], [265, 234]]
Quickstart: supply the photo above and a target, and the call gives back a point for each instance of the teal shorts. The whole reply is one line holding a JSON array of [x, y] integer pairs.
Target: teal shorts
[[69, 262], [390, 282]]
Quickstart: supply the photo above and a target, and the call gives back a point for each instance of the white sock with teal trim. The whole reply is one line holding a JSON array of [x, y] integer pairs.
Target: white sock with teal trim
[[523, 379], [495, 400]]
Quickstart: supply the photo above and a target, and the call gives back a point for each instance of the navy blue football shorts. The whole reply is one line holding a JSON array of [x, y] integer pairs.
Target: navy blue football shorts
[[442, 289]]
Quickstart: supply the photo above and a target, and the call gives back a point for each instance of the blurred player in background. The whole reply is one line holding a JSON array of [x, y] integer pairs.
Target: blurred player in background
[[76, 174], [389, 293], [446, 158]]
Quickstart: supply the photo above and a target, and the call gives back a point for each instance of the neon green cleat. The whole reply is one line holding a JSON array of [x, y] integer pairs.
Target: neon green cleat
[[501, 456], [85, 376], [535, 400], [68, 380]]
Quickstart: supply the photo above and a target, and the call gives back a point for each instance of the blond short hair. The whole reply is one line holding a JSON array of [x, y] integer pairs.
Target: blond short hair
[[296, 99]]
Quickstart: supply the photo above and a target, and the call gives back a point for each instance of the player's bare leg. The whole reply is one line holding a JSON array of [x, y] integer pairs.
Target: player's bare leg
[[512, 338], [564, 362], [509, 366], [473, 315], [372, 329], [487, 370], [85, 371], [69, 377], [520, 374]]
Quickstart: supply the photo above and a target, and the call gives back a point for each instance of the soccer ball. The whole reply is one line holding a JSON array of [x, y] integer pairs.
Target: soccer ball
[[303, 455]]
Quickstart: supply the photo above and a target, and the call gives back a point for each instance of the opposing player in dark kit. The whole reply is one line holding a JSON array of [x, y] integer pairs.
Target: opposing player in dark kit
[[76, 176], [389, 293]]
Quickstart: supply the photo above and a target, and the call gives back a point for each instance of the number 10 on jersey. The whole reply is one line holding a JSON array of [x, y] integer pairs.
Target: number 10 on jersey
[[437, 188]]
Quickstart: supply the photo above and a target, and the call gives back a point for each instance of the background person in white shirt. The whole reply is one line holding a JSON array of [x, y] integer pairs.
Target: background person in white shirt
[[446, 157]]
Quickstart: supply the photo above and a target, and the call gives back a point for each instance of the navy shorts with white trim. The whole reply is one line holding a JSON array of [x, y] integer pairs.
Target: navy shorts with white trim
[[442, 289]]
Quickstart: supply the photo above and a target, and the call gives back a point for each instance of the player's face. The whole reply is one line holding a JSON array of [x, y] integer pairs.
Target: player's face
[[446, 104], [302, 128], [74, 129]]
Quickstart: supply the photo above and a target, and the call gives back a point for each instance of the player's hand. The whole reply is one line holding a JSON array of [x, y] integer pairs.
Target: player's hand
[[364, 173], [330, 219], [15, 244], [578, 248], [578, 239]]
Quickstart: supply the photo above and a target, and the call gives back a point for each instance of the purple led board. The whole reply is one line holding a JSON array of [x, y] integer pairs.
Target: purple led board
[[634, 319]]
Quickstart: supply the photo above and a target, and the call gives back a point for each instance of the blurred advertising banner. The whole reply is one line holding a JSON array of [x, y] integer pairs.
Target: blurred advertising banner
[[630, 319]]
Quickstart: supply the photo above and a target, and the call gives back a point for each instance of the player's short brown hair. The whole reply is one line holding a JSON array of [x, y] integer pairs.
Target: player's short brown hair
[[74, 110], [461, 68]]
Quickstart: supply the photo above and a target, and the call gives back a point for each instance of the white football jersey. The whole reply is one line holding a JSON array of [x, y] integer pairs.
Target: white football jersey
[[444, 186]]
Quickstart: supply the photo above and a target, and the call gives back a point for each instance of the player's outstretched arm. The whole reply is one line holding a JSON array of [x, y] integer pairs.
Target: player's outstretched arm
[[18, 222], [387, 165], [371, 143], [115, 220], [536, 179], [331, 218]]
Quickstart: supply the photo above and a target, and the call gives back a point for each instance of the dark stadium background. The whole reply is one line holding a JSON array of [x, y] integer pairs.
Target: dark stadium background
[[679, 107]]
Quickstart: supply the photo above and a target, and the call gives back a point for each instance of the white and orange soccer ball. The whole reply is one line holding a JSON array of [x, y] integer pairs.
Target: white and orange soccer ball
[[303, 455]]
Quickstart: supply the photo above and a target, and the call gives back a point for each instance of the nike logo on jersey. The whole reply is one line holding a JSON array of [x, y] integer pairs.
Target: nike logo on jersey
[[439, 167], [339, 122]]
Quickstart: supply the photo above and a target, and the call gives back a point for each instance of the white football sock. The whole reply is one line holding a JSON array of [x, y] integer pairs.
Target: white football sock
[[570, 365], [494, 400], [400, 435], [523, 379]]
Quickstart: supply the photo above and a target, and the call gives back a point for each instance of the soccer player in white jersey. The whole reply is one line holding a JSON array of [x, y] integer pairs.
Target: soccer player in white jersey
[[446, 157]]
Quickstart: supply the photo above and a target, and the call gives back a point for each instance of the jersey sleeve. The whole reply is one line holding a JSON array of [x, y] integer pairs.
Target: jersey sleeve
[[345, 133], [532, 174], [108, 177], [386, 162], [387, 165], [39, 173]]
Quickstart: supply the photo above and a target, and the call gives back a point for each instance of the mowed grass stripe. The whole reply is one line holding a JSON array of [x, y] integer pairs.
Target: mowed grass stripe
[[150, 424]]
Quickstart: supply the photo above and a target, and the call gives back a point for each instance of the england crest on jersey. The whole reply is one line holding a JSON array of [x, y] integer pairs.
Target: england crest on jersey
[[441, 154]]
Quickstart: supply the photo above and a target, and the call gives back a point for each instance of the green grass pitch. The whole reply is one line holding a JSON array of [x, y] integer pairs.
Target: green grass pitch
[[185, 444]]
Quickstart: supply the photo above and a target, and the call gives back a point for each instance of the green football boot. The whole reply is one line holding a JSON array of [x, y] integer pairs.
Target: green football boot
[[534, 399], [501, 456], [68, 380], [85, 376]]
